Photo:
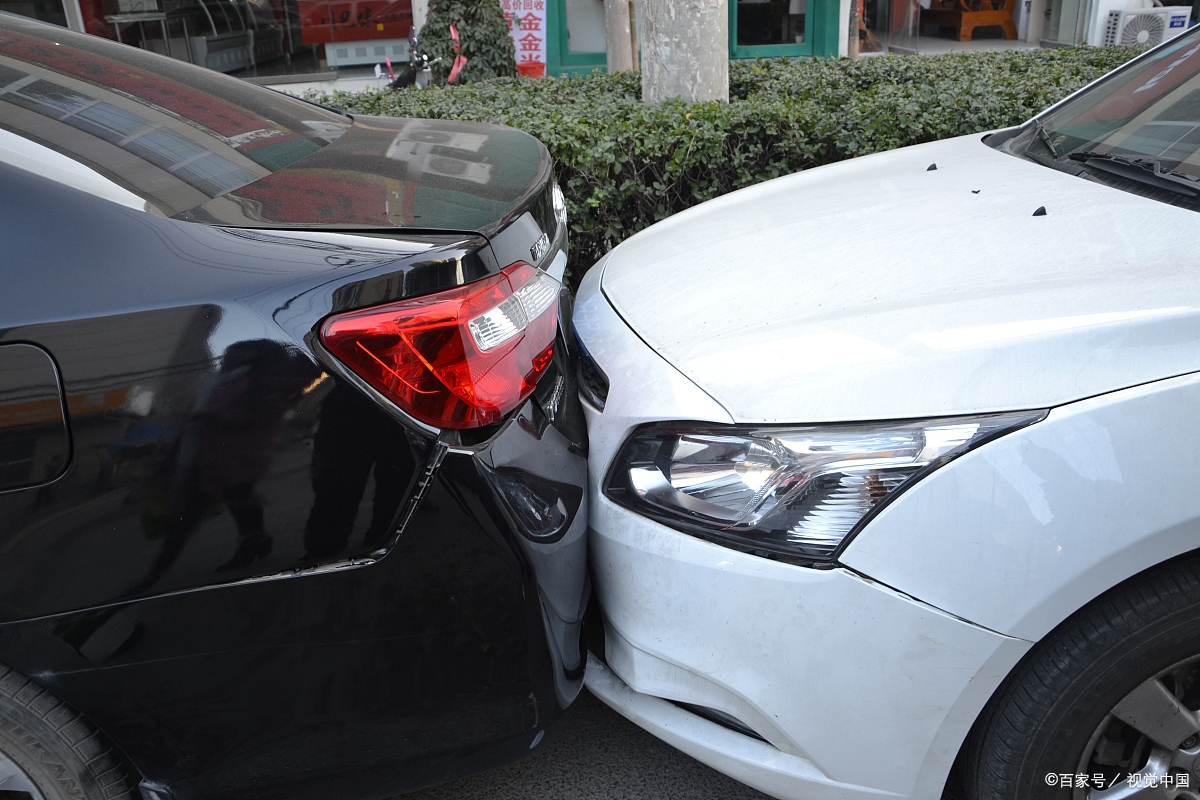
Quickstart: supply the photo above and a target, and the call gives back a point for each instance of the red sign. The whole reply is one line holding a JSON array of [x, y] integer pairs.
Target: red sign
[[324, 21], [527, 26]]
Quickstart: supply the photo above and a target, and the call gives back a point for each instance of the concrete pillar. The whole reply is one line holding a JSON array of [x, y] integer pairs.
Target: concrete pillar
[[843, 30], [685, 49], [420, 11], [618, 37], [1038, 11], [852, 33]]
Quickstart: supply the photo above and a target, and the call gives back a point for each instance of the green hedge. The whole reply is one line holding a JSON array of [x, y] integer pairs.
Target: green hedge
[[483, 38], [623, 164]]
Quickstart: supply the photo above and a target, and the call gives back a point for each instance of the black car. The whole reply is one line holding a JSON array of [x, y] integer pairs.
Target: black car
[[292, 467]]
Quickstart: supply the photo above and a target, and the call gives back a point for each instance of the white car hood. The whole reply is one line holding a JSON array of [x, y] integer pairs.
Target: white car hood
[[880, 288]]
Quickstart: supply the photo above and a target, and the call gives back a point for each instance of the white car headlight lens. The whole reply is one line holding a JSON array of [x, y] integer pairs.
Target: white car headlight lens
[[796, 492]]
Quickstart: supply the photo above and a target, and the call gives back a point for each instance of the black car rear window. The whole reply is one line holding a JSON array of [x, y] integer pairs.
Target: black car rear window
[[174, 134]]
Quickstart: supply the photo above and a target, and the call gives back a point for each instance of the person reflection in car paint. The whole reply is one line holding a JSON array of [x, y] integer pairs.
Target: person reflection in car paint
[[354, 439], [226, 446]]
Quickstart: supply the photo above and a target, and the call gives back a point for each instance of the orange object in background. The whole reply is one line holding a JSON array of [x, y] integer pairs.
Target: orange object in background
[[531, 69], [325, 21], [905, 15]]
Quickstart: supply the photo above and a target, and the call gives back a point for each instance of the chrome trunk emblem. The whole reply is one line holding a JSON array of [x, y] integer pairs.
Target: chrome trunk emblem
[[540, 248]]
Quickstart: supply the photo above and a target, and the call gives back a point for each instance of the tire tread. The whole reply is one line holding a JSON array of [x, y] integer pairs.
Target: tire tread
[[105, 767]]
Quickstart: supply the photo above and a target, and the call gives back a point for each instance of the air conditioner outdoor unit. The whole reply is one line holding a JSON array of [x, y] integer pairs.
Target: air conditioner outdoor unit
[[1145, 26]]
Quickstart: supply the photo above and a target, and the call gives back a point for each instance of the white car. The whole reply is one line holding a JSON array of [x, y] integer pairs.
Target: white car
[[896, 462]]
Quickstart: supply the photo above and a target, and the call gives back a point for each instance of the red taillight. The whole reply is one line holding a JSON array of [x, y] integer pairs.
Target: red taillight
[[457, 359]]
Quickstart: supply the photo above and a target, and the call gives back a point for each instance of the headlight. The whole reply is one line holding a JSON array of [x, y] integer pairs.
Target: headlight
[[796, 492]]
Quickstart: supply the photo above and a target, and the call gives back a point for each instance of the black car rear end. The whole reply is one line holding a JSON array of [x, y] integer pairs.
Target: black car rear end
[[251, 553]]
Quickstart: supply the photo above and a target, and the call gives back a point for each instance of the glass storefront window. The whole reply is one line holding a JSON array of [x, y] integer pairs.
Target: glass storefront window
[[576, 42], [240, 35], [44, 10], [770, 22], [889, 25], [585, 26], [1066, 25], [770, 28]]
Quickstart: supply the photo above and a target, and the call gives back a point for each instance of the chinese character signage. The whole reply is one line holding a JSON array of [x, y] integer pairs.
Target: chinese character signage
[[527, 25], [323, 21]]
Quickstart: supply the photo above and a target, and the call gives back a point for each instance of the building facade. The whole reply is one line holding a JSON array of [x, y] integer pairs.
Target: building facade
[[552, 37], [757, 29]]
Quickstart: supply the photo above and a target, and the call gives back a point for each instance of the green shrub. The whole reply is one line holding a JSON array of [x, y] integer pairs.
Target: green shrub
[[624, 165], [482, 33]]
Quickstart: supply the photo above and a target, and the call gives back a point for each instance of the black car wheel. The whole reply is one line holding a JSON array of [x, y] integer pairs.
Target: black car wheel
[[49, 752], [1106, 706]]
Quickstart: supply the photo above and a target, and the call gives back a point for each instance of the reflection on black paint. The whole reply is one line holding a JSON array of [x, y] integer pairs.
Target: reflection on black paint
[[226, 445], [172, 134], [542, 508], [355, 439], [34, 446]]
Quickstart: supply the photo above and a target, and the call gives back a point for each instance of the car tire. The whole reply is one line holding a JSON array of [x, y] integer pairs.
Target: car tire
[[48, 749], [1084, 698]]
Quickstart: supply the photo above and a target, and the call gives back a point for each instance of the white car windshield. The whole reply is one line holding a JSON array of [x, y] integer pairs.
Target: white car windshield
[[1139, 128], [1151, 110]]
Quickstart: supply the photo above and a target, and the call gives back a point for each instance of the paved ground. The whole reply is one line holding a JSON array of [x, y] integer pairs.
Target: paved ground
[[599, 755]]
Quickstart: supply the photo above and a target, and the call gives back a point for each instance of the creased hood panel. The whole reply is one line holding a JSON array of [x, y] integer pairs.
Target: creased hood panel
[[877, 288]]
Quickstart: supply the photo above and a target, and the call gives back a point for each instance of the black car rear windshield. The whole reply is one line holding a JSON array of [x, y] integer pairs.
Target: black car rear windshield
[[171, 133]]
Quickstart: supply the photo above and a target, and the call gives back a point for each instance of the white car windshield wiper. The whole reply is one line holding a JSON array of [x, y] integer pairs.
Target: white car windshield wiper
[[1045, 138], [1040, 129], [1143, 170]]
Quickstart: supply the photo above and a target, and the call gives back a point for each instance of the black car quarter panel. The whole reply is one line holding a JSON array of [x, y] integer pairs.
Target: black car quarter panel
[[349, 684], [210, 444], [225, 566]]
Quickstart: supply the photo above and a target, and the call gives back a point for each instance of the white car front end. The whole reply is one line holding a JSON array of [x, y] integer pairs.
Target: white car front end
[[827, 301]]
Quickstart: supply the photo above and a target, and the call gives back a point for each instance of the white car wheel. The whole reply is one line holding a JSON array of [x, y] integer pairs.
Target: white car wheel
[[1106, 706]]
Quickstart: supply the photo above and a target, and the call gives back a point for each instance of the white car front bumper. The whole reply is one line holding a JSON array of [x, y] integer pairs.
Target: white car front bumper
[[856, 690]]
